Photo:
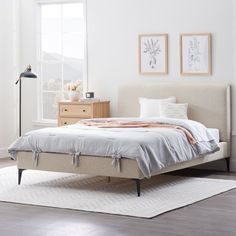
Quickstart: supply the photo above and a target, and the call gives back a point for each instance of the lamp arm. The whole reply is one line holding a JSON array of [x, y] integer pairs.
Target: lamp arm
[[18, 80], [21, 75]]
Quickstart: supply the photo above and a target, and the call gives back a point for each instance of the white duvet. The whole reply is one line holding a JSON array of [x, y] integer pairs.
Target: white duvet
[[152, 148]]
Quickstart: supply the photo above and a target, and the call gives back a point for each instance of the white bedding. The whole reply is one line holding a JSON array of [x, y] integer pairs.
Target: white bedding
[[215, 133], [152, 148]]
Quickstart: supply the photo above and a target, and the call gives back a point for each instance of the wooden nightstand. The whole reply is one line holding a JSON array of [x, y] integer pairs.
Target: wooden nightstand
[[71, 112]]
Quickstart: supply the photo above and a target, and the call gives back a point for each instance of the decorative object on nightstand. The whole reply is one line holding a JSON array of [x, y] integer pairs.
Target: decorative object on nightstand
[[89, 95], [74, 96], [75, 90], [71, 112], [26, 74]]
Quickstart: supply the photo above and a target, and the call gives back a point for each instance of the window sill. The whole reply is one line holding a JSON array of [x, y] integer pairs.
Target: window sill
[[45, 123]]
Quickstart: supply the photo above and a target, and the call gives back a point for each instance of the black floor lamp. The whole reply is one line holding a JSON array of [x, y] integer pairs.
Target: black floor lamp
[[26, 74]]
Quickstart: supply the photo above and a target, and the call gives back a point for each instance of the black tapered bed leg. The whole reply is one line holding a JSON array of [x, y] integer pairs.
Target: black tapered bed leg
[[20, 175], [227, 164], [108, 179], [138, 186]]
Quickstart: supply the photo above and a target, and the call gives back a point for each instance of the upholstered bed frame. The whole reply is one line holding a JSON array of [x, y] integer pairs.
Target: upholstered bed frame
[[208, 104]]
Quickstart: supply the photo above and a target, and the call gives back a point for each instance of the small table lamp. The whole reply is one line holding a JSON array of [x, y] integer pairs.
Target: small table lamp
[[26, 74]]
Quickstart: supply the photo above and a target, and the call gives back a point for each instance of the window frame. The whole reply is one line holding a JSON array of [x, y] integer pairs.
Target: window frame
[[40, 120]]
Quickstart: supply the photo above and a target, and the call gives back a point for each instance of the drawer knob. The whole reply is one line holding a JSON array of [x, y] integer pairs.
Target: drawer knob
[[65, 109], [65, 123], [83, 110]]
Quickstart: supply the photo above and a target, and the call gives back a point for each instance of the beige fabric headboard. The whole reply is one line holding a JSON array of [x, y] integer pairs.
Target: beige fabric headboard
[[208, 103]]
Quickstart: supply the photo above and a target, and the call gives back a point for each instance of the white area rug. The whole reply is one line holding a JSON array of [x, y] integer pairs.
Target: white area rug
[[158, 195]]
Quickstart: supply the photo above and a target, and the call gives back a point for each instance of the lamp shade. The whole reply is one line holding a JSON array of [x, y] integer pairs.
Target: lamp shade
[[27, 73]]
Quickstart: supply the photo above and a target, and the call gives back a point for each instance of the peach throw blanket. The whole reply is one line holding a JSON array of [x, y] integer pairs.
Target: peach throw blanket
[[107, 123]]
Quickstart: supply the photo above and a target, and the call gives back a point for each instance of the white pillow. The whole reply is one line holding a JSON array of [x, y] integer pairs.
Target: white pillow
[[171, 110], [151, 107]]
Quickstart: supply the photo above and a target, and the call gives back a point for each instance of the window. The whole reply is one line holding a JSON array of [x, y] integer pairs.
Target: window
[[61, 54]]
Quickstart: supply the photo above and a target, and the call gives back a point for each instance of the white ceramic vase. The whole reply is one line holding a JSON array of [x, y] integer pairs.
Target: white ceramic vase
[[74, 96]]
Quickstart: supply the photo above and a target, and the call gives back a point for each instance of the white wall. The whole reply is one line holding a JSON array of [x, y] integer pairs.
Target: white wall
[[113, 28], [28, 56], [8, 62]]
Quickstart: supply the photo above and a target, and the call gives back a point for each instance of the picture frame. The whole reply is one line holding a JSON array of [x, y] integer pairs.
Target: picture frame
[[195, 54], [153, 54]]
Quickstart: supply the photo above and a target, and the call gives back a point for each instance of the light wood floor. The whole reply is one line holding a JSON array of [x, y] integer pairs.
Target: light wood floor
[[215, 216]]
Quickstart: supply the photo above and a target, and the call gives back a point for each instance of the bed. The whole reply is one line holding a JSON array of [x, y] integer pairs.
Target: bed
[[208, 104]]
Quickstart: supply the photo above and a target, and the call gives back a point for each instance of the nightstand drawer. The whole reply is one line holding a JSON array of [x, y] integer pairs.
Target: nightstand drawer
[[81, 111], [71, 112], [67, 121]]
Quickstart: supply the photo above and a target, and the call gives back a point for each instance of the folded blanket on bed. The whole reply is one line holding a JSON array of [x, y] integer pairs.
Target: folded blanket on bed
[[153, 148], [108, 123]]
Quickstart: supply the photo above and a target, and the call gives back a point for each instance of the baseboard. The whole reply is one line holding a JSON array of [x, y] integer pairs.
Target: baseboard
[[3, 153]]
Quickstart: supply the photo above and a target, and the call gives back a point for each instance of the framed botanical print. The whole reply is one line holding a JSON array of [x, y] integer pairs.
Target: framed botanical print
[[153, 54], [195, 54]]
